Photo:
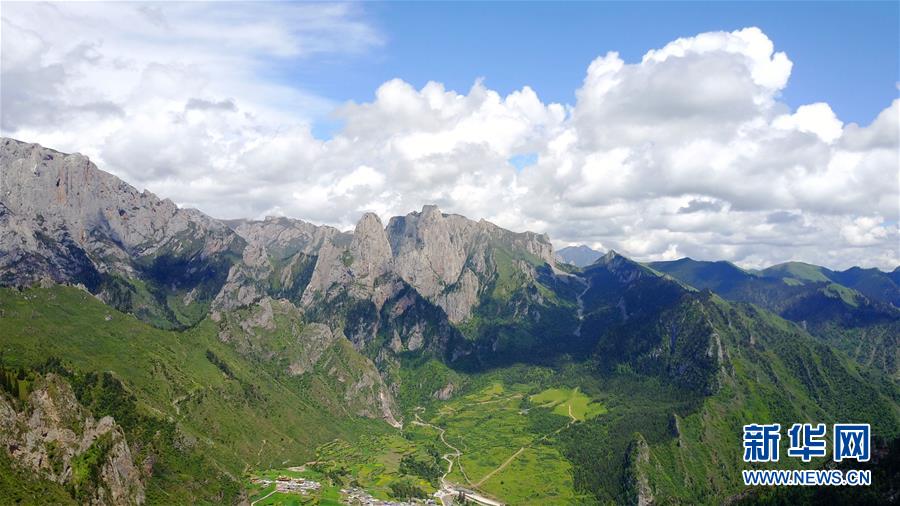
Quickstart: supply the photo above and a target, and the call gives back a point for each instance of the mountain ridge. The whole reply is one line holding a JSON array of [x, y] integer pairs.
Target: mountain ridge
[[864, 323], [240, 335]]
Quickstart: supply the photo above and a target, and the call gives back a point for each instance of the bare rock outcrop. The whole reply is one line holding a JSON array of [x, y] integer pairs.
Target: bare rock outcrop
[[637, 484], [278, 260], [99, 210], [448, 258], [58, 440], [353, 268]]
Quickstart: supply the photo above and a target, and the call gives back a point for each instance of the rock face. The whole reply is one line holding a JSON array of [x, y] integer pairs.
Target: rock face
[[58, 441], [99, 210], [444, 393], [284, 237], [432, 249], [29, 254], [447, 258], [90, 227], [637, 486], [279, 259], [354, 268], [67, 221]]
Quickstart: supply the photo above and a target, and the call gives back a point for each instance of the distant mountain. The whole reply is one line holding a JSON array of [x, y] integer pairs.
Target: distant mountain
[[579, 256], [218, 347], [853, 309], [873, 283], [747, 362], [797, 271], [718, 276]]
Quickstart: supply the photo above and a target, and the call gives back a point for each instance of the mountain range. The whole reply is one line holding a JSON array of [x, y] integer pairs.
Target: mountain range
[[154, 354], [855, 310]]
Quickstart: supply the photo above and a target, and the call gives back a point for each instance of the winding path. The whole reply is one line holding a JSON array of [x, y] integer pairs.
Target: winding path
[[447, 456], [449, 490], [264, 497]]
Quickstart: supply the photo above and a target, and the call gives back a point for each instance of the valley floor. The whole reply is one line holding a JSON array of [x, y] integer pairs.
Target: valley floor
[[490, 445]]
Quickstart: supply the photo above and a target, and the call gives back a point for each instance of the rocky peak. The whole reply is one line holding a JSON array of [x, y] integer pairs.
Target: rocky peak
[[370, 231], [355, 266], [284, 237], [537, 245], [446, 258], [610, 256], [613, 260], [430, 248], [431, 212], [370, 248], [579, 256], [623, 269]]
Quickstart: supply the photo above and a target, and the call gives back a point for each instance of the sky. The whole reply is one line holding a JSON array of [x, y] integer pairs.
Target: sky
[[752, 132]]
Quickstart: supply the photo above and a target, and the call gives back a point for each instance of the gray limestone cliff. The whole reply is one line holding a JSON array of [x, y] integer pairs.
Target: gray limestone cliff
[[67, 221], [354, 268], [448, 258]]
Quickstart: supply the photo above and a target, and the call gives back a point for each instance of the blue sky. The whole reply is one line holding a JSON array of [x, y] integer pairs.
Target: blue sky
[[735, 140], [844, 53]]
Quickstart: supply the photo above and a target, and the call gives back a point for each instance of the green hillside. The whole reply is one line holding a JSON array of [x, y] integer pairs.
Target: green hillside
[[873, 283], [240, 410], [865, 325], [513, 423], [797, 271], [717, 276]]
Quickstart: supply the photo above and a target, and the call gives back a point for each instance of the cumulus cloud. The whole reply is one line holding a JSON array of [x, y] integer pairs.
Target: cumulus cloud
[[689, 151], [816, 119]]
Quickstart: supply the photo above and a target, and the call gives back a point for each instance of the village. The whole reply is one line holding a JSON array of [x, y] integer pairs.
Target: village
[[353, 496], [290, 485]]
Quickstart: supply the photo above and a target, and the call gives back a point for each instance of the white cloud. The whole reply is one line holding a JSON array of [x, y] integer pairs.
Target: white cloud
[[689, 151], [816, 118], [865, 231], [768, 69]]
